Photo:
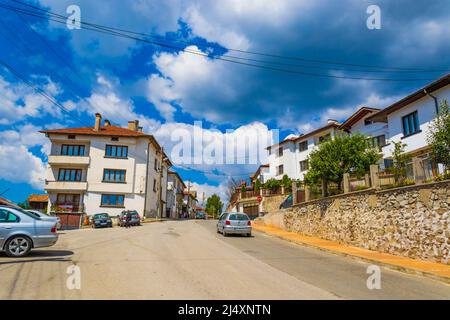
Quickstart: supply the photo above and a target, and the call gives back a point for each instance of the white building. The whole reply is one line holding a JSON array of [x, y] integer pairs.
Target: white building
[[290, 156], [175, 195], [408, 120], [106, 169]]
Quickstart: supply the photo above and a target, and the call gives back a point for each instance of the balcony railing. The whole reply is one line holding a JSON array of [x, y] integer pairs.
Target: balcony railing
[[67, 208], [68, 160], [66, 185]]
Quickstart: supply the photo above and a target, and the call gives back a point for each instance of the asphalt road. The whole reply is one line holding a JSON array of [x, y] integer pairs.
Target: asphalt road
[[189, 260]]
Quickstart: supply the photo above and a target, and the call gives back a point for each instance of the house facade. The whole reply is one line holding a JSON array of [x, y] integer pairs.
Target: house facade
[[175, 190], [106, 168], [290, 156], [408, 121], [38, 202]]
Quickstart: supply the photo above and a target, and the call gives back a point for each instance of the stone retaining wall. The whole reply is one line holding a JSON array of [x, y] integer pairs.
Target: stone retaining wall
[[411, 221]]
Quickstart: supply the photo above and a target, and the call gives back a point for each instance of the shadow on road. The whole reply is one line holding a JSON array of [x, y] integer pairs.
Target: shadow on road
[[39, 255]]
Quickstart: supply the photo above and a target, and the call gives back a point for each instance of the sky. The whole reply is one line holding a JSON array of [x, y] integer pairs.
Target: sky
[[168, 88]]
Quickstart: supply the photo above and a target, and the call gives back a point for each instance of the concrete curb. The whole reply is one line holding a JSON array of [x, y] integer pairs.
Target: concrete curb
[[400, 265]]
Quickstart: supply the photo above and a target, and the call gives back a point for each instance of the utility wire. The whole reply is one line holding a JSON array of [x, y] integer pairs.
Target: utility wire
[[265, 54], [199, 53]]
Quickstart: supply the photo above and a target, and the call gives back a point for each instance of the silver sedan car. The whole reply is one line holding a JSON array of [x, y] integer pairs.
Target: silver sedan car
[[20, 231], [234, 223], [47, 217]]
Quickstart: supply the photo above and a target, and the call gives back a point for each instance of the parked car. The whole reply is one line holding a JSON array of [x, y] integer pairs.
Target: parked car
[[200, 215], [20, 231], [100, 220], [287, 203], [45, 216], [135, 218], [234, 223]]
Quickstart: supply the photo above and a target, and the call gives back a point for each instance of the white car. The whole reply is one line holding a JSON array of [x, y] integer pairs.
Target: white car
[[46, 217]]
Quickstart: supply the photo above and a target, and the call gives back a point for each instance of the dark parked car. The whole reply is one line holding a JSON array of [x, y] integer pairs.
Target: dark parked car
[[101, 220], [135, 218], [287, 203]]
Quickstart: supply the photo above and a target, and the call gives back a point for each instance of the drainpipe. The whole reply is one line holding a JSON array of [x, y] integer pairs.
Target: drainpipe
[[436, 104], [146, 178]]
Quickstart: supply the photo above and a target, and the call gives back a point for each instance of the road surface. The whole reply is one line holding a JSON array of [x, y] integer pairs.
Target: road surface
[[189, 260]]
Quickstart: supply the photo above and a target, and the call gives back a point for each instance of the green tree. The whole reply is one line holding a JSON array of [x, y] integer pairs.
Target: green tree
[[257, 185], [286, 182], [343, 154], [214, 205], [272, 184], [24, 205], [400, 161], [439, 136]]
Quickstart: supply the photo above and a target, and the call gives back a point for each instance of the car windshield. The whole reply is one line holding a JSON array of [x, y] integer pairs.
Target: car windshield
[[101, 216], [239, 217]]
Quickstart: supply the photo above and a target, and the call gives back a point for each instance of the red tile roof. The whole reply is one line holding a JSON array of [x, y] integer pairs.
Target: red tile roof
[[104, 131], [38, 198], [5, 201]]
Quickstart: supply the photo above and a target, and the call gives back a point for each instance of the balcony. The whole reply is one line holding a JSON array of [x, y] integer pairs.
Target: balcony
[[65, 186], [68, 160]]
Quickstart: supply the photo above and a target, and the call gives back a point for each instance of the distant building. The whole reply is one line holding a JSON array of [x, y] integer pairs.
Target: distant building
[[175, 190], [38, 202]]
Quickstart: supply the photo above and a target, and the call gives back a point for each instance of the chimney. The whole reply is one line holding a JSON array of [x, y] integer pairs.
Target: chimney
[[140, 129], [107, 123], [133, 125], [98, 122]]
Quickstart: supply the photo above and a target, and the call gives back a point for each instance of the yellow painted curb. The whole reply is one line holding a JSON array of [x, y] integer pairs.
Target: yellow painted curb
[[431, 269]]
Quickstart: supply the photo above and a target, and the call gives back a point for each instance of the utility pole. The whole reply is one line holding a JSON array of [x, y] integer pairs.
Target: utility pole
[[160, 206]]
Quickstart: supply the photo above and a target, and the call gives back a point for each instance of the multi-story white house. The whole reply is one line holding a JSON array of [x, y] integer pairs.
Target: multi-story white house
[[106, 168], [175, 195], [408, 120], [290, 156]]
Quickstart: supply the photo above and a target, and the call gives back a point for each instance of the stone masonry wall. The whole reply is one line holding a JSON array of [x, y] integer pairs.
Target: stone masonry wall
[[410, 221], [272, 203]]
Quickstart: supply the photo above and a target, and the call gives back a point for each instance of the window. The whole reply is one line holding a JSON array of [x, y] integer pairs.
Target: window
[[280, 170], [116, 151], [112, 200], [410, 124], [325, 138], [280, 151], [156, 165], [69, 175], [303, 165], [114, 175], [303, 146], [367, 122], [72, 150], [8, 217], [154, 185], [378, 141]]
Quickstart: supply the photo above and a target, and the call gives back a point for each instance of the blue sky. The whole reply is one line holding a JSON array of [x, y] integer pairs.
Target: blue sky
[[165, 89]]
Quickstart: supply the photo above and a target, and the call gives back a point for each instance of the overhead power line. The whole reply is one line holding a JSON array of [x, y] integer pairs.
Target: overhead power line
[[264, 54], [103, 29]]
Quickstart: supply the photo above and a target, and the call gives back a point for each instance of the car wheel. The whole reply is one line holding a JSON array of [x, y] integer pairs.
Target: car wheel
[[18, 246], [249, 235], [218, 230]]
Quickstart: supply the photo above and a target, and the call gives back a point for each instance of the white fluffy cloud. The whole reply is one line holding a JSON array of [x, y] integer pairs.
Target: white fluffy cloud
[[208, 190], [18, 101], [17, 163]]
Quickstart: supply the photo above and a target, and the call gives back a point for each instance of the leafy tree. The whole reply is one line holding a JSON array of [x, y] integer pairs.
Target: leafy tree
[[286, 182], [439, 136], [257, 185], [214, 205], [400, 161], [343, 154], [24, 205], [272, 184]]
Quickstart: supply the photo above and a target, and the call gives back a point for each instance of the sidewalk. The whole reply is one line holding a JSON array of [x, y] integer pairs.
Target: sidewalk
[[434, 270]]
